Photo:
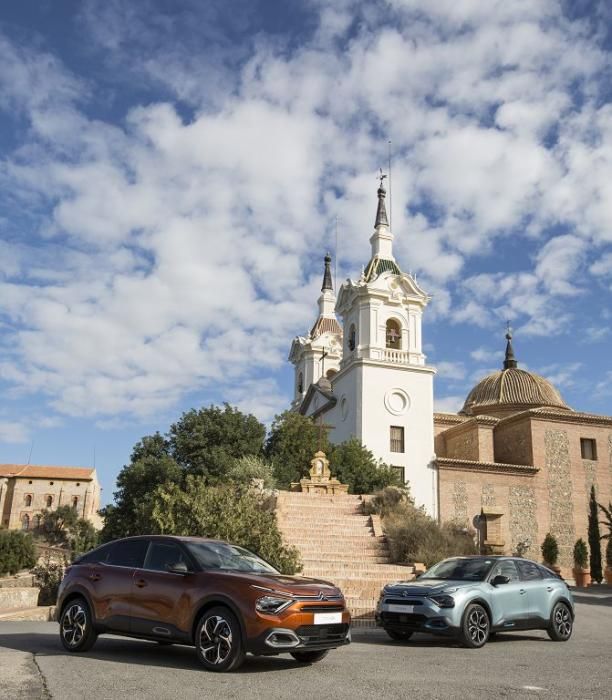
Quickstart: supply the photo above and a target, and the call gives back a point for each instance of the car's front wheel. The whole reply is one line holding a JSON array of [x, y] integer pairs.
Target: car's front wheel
[[398, 636], [561, 623], [77, 631], [475, 626], [219, 640], [309, 657]]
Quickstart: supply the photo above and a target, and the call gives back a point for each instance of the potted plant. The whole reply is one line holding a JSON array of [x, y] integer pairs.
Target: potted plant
[[550, 552], [582, 573]]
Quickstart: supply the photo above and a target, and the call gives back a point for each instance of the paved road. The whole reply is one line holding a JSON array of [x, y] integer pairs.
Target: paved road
[[33, 665]]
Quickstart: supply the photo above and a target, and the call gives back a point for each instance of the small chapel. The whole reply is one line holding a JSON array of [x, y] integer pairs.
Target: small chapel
[[515, 463]]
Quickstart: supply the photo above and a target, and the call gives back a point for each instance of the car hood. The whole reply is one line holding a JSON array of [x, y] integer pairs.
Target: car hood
[[289, 585], [427, 587]]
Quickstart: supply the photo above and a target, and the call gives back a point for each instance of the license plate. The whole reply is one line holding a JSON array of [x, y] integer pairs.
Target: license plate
[[327, 618], [401, 608]]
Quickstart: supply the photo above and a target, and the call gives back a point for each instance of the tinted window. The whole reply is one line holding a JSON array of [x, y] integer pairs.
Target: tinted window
[[472, 569], [128, 553], [162, 557], [96, 556], [547, 573], [505, 568], [529, 570]]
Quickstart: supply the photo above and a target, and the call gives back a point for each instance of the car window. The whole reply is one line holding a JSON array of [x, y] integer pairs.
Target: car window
[[547, 573], [460, 569], [528, 570], [96, 556], [505, 568], [128, 553], [162, 556]]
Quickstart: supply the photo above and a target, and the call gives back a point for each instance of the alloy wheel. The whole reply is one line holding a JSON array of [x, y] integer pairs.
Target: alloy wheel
[[563, 621], [74, 625], [216, 640], [478, 626]]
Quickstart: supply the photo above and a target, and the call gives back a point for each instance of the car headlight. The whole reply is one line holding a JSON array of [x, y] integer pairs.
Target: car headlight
[[272, 605], [443, 601]]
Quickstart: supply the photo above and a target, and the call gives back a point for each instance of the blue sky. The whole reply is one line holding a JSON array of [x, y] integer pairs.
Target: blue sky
[[171, 173]]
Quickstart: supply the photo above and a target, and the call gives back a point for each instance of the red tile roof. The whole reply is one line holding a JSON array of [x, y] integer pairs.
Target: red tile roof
[[34, 471]]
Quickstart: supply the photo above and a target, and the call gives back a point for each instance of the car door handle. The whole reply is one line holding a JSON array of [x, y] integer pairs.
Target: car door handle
[[94, 577], [141, 583], [550, 589], [522, 591]]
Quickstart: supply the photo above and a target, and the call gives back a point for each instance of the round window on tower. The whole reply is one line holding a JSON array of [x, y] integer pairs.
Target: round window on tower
[[397, 402]]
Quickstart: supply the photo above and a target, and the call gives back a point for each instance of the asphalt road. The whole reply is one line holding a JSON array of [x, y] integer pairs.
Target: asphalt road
[[33, 665]]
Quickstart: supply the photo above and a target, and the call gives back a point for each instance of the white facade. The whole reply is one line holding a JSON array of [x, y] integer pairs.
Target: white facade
[[382, 393]]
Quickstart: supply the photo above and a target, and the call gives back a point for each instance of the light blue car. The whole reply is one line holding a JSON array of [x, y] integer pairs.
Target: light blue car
[[471, 598]]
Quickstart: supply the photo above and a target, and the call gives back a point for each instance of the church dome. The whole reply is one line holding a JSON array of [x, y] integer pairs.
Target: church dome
[[511, 390]]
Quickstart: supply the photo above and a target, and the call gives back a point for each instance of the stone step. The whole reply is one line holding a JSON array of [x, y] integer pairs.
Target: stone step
[[18, 597], [300, 496], [353, 563], [358, 576], [41, 613], [331, 553], [23, 579]]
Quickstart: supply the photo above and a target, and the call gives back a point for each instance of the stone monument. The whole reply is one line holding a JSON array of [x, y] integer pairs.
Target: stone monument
[[321, 480]]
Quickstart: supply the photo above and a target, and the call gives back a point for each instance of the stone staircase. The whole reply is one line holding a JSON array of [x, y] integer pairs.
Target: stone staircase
[[19, 600], [337, 543]]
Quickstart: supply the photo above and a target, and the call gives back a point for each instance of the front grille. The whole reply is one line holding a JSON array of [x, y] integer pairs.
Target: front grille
[[403, 601], [317, 634], [404, 619], [322, 608]]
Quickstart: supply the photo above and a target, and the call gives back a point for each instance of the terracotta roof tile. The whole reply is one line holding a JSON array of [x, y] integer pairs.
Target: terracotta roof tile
[[34, 471]]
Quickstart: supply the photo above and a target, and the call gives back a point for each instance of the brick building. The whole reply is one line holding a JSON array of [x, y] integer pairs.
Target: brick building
[[518, 462], [26, 490]]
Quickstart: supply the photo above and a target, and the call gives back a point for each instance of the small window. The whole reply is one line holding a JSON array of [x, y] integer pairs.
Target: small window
[[397, 438], [51, 483], [505, 568], [75, 502], [28, 501], [96, 556], [352, 339], [37, 521], [128, 553], [394, 334], [528, 570], [300, 386], [49, 501], [588, 448], [78, 483], [29, 482], [401, 473], [25, 522], [162, 557]]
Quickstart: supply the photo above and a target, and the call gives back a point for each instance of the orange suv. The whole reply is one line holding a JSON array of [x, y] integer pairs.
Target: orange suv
[[218, 597]]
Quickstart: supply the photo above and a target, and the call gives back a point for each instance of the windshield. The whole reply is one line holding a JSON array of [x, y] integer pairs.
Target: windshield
[[460, 570], [228, 557]]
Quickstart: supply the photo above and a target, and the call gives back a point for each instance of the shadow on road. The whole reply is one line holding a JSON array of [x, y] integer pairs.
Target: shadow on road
[[379, 638], [131, 651], [591, 598]]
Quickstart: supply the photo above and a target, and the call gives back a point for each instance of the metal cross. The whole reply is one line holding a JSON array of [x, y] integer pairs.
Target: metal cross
[[323, 356], [381, 177]]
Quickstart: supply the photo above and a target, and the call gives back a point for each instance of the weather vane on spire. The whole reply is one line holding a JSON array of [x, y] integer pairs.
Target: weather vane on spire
[[381, 177]]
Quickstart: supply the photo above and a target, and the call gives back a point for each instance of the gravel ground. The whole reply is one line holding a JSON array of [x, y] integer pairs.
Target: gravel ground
[[33, 665]]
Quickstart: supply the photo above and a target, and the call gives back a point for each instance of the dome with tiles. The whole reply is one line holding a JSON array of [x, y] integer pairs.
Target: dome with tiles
[[511, 390]]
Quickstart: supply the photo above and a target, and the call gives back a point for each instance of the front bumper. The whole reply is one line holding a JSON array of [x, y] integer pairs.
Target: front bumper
[[282, 640], [421, 615]]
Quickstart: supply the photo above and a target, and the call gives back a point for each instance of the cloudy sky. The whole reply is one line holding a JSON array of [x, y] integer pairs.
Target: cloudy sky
[[171, 174]]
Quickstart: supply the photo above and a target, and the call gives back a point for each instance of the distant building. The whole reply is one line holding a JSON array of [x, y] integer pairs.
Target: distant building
[[515, 463], [26, 490]]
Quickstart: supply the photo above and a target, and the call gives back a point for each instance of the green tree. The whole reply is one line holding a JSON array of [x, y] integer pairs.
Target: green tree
[[56, 525], [227, 512], [207, 442], [250, 468], [594, 539], [291, 445], [353, 464], [151, 466], [16, 551], [83, 537], [550, 549]]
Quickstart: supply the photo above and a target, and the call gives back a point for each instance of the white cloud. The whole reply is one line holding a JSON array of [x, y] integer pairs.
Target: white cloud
[[13, 432], [449, 404], [452, 371]]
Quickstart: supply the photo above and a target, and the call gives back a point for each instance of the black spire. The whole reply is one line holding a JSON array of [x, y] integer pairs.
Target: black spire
[[381, 211], [510, 362], [327, 278]]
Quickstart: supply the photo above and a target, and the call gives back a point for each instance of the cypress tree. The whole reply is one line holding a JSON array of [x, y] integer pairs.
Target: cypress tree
[[594, 539]]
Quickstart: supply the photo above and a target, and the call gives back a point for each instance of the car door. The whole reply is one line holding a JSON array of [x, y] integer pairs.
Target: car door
[[160, 605], [508, 600], [111, 582], [538, 592]]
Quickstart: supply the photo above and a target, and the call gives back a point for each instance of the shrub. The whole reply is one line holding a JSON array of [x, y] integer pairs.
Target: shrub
[[550, 549], [47, 577], [16, 551], [249, 468], [415, 537], [581, 554], [353, 464]]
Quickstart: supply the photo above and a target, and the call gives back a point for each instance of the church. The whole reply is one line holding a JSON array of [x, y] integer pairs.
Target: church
[[515, 463]]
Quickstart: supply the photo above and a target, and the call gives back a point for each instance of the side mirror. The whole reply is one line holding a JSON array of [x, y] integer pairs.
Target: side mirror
[[499, 580], [179, 568]]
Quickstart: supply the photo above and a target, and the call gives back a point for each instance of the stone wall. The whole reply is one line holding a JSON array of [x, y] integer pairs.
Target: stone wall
[[462, 443], [460, 514], [560, 495], [513, 443], [523, 521]]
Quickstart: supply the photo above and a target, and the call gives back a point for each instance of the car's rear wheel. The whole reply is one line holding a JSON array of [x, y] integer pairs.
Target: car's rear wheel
[[219, 640], [561, 623], [77, 631], [399, 636], [309, 657], [475, 626]]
